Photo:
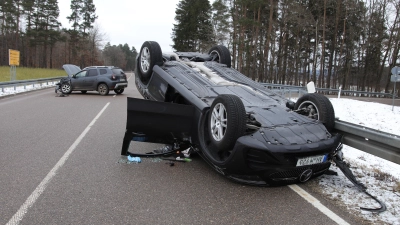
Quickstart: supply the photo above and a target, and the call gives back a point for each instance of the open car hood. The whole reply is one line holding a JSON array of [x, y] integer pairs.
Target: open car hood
[[71, 69]]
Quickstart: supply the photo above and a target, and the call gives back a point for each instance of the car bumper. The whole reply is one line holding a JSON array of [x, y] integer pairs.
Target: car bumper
[[252, 162], [120, 86]]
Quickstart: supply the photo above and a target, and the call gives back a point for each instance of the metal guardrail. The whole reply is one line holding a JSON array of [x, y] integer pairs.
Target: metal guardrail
[[284, 89], [378, 143], [24, 83]]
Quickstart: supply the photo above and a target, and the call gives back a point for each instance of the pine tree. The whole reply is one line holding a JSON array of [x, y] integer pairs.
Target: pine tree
[[221, 22], [75, 17], [114, 56], [9, 18], [43, 28], [88, 13], [53, 33], [193, 31], [130, 56]]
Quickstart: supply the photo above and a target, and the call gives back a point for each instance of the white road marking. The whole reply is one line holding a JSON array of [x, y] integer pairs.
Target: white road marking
[[130, 77], [318, 204], [19, 215]]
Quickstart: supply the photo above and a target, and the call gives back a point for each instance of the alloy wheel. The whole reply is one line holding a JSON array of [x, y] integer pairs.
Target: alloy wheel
[[145, 59], [219, 122], [65, 88]]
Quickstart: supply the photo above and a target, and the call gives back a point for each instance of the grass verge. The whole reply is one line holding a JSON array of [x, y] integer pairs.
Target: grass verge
[[25, 73]]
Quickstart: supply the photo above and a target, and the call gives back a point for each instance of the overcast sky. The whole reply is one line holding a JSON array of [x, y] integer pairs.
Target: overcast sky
[[131, 21]]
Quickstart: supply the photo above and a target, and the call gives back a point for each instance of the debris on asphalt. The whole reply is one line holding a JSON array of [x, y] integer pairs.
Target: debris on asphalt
[[178, 159], [134, 159]]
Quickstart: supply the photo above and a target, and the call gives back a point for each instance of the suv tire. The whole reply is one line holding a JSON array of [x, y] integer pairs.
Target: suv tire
[[226, 123], [66, 88], [103, 89], [318, 107], [221, 54], [118, 91], [149, 56]]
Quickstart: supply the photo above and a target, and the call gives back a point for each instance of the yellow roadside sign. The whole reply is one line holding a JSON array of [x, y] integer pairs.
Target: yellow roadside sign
[[13, 57]]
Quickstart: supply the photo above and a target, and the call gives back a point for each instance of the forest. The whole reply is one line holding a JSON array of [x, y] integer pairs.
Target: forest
[[347, 43], [351, 44], [33, 28]]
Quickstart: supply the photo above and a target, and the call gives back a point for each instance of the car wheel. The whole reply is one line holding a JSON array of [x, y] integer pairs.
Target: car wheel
[[221, 54], [226, 123], [66, 88], [118, 91], [83, 92], [150, 55], [103, 89], [318, 107]]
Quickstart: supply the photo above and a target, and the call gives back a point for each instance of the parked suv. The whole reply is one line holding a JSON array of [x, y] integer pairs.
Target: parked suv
[[94, 78]]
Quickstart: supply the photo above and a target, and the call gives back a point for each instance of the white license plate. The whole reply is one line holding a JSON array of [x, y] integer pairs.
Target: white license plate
[[311, 160], [122, 79]]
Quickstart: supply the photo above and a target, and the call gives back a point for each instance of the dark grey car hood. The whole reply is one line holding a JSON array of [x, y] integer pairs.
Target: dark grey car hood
[[71, 69]]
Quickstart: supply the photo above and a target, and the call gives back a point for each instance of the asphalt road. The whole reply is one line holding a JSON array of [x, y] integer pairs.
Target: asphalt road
[[60, 165]]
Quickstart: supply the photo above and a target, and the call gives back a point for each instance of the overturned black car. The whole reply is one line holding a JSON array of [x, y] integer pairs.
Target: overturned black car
[[244, 131]]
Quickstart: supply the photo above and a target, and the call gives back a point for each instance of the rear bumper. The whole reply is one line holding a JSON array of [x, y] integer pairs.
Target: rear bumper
[[120, 86]]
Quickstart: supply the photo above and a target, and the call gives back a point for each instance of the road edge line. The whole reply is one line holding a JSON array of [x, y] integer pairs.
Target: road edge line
[[317, 204]]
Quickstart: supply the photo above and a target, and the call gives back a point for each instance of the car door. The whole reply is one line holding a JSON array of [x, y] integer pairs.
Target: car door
[[90, 80], [77, 81], [158, 122]]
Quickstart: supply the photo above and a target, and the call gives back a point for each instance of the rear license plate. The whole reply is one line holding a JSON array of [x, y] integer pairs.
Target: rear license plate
[[311, 160], [122, 79]]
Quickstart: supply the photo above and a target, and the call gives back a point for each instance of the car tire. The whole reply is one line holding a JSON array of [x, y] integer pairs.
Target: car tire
[[83, 92], [66, 88], [119, 91], [318, 107], [149, 56], [103, 89], [221, 54], [226, 123]]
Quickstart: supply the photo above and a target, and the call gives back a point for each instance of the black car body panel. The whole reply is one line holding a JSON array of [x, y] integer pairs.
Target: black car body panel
[[181, 92]]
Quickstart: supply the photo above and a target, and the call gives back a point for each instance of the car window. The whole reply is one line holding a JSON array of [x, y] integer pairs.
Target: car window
[[103, 71], [93, 72], [81, 74], [118, 71]]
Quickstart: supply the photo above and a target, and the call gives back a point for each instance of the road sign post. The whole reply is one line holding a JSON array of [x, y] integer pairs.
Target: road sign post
[[395, 78], [13, 56]]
